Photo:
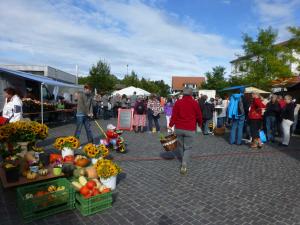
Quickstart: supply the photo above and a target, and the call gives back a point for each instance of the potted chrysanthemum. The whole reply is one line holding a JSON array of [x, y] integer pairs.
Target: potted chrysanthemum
[[107, 171]]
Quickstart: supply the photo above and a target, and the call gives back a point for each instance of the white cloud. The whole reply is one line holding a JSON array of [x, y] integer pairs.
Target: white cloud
[[228, 2], [277, 13], [62, 34]]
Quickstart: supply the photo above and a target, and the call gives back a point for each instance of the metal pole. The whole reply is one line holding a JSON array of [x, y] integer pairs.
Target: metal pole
[[127, 69], [76, 74], [42, 104]]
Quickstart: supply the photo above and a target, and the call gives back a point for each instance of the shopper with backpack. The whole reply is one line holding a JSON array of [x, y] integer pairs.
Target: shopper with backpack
[[139, 118]]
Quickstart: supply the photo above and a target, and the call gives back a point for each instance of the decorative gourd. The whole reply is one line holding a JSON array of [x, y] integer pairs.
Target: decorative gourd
[[91, 172], [76, 185], [82, 180], [31, 175], [79, 172], [29, 156], [43, 172], [52, 188]]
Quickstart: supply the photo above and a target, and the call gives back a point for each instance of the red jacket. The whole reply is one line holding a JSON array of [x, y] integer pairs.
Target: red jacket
[[186, 113], [255, 112]]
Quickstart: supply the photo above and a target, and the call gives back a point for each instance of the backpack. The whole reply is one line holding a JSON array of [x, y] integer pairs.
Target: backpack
[[140, 109]]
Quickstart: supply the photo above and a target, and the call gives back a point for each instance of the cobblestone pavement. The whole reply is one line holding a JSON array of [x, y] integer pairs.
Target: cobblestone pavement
[[225, 184]]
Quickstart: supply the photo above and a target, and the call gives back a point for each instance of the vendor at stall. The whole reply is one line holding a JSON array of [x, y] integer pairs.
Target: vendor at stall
[[12, 110]]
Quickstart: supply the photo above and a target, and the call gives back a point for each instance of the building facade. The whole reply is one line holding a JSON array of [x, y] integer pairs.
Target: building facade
[[180, 82]]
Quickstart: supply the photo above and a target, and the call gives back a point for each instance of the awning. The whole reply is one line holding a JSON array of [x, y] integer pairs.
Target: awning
[[234, 88], [38, 78]]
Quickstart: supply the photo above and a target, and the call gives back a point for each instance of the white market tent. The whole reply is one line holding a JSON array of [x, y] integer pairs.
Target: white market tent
[[254, 89], [130, 90]]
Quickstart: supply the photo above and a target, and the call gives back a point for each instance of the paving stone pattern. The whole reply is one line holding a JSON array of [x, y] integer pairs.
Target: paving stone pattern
[[225, 184]]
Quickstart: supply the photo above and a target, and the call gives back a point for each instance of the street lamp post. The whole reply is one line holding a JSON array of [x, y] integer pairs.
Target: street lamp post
[[127, 69]]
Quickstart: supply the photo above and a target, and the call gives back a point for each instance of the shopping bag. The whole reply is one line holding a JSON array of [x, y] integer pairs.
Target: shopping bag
[[262, 136]]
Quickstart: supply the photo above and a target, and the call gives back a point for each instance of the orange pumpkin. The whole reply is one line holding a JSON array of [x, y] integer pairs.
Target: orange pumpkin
[[54, 157], [82, 162]]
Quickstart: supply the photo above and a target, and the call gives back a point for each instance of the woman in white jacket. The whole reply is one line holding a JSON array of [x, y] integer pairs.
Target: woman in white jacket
[[12, 109]]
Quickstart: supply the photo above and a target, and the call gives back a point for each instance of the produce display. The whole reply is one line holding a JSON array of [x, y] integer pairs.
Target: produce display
[[89, 188], [32, 106]]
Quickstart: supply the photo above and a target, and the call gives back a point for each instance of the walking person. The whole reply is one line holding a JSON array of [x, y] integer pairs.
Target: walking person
[[186, 115], [271, 114], [133, 99], [208, 113], [255, 120], [287, 115], [84, 112], [139, 118], [236, 112], [154, 110], [168, 108], [124, 104], [105, 103]]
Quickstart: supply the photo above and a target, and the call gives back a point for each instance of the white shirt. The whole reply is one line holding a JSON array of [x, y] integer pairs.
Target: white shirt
[[13, 109], [224, 108]]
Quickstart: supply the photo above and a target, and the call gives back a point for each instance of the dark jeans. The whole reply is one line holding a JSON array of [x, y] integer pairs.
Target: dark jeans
[[84, 120], [221, 122], [255, 126], [105, 113], [152, 118], [271, 124], [236, 133]]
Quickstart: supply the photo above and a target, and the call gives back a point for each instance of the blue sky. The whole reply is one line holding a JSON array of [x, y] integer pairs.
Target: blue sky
[[156, 38]]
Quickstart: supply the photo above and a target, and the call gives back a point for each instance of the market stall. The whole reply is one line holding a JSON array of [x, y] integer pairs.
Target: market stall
[[40, 178], [130, 90], [43, 81]]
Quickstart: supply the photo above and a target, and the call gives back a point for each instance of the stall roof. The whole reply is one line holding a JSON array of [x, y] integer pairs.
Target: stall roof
[[38, 78], [233, 88]]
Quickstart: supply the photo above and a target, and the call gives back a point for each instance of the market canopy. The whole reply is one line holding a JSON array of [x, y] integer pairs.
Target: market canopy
[[130, 90], [38, 78]]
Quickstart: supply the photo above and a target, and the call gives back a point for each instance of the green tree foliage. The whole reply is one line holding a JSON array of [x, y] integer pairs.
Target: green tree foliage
[[265, 60], [215, 80], [101, 78]]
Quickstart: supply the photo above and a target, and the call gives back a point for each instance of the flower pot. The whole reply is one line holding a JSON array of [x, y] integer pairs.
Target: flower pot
[[34, 169], [67, 152], [57, 171], [110, 182], [12, 174]]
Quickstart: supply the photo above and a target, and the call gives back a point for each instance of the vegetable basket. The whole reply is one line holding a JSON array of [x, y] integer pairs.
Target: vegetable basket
[[169, 142]]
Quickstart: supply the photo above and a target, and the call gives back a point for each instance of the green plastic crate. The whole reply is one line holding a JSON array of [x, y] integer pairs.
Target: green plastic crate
[[47, 204], [93, 200], [94, 204]]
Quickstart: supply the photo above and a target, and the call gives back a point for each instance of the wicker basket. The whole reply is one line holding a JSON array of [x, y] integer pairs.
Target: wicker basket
[[219, 131], [169, 142]]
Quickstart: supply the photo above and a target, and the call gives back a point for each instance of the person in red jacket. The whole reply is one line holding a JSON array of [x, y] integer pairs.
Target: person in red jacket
[[255, 118], [185, 116]]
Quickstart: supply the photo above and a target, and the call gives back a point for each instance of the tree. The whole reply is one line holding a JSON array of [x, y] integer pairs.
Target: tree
[[216, 79], [101, 78], [83, 80], [131, 80], [265, 61]]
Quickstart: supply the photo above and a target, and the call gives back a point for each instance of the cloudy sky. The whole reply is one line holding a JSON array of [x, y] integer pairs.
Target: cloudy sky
[[156, 38]]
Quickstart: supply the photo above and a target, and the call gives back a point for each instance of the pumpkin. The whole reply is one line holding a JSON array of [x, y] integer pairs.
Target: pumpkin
[[55, 157], [91, 172], [31, 175], [82, 162], [43, 172]]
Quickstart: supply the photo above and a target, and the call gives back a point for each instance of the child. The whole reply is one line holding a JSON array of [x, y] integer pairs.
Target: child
[[112, 136], [168, 111]]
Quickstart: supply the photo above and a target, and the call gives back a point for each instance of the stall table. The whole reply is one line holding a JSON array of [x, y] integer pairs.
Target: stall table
[[23, 180]]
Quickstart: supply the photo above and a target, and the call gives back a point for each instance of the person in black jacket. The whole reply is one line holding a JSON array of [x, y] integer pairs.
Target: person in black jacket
[[207, 113], [287, 115], [271, 114]]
